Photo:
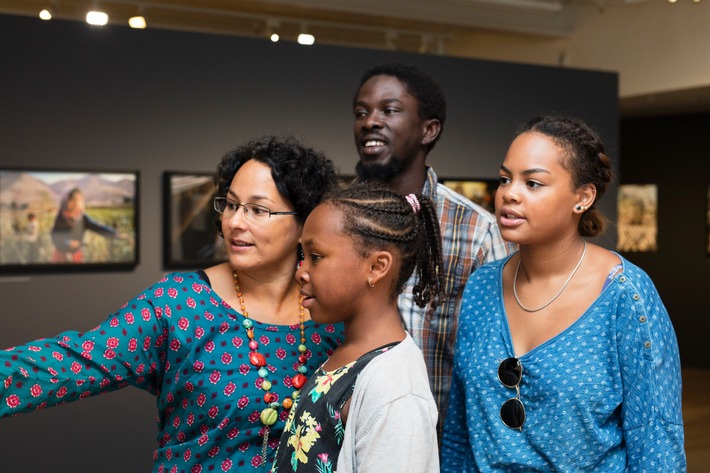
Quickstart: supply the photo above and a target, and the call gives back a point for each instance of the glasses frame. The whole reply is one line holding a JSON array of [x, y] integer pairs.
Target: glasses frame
[[247, 209], [513, 407]]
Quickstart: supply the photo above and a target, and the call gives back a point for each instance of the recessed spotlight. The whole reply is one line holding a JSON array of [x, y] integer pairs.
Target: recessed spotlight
[[98, 18], [137, 22], [306, 39], [45, 14]]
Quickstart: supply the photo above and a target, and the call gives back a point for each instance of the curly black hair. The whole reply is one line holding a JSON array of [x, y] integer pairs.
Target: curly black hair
[[302, 175], [432, 101], [378, 217], [586, 160]]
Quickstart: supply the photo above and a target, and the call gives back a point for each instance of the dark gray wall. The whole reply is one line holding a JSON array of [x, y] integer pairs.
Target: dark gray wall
[[77, 97], [672, 152]]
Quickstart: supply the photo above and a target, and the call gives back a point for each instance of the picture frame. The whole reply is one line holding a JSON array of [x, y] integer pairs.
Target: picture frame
[[68, 220], [190, 236], [481, 191], [637, 225]]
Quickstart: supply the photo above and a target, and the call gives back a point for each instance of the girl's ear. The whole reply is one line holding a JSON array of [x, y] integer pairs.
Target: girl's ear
[[381, 263], [586, 195]]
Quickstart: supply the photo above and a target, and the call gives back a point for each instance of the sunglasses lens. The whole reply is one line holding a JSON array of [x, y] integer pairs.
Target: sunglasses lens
[[510, 372], [512, 413]]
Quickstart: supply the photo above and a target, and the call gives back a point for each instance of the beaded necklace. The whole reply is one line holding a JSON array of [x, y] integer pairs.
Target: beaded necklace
[[270, 414]]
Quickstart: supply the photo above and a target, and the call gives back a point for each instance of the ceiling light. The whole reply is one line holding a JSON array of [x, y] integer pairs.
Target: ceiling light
[[274, 37], [97, 18], [46, 14], [137, 22], [306, 39]]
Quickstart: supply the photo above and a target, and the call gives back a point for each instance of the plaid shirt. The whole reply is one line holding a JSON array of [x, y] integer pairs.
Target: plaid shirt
[[470, 237]]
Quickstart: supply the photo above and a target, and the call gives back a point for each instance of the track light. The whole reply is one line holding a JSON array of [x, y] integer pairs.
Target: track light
[[137, 22], [97, 18], [46, 14]]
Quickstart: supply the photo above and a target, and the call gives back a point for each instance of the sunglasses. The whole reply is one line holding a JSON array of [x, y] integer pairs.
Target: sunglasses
[[512, 412]]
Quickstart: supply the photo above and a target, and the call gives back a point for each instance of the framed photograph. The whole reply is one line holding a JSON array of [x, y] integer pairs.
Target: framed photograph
[[54, 220], [637, 206], [479, 191], [190, 237]]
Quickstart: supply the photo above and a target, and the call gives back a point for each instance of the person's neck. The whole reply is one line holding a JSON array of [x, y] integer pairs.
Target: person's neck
[[410, 181]]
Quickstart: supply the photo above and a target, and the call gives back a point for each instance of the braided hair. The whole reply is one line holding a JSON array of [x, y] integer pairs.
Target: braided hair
[[377, 217], [586, 160]]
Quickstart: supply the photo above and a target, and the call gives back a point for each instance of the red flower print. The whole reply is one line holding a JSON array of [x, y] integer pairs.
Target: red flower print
[[88, 345], [52, 371], [243, 447], [109, 354], [36, 390], [84, 395], [213, 412], [174, 469], [183, 323], [288, 382], [198, 366], [196, 469], [190, 418], [208, 316], [204, 438], [215, 377], [158, 313], [145, 313], [158, 292], [244, 368], [57, 356], [213, 451], [315, 337], [8, 382], [169, 454], [191, 303], [197, 287], [186, 454], [178, 279], [231, 435], [34, 348], [112, 342], [199, 333], [75, 367], [172, 292], [290, 339], [113, 322], [86, 355], [280, 353], [168, 312], [254, 416], [256, 461], [226, 358], [132, 344], [209, 346], [201, 400], [12, 401], [129, 318], [229, 389], [189, 387], [61, 392], [226, 465], [223, 327], [175, 345], [243, 402], [176, 422], [181, 438], [330, 328], [146, 343], [264, 340], [24, 373], [237, 342], [224, 423]]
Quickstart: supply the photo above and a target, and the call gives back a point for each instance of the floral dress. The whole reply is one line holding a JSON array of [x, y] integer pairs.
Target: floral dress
[[181, 342], [314, 430]]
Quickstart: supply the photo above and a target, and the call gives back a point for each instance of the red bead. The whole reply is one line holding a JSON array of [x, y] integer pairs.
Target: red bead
[[269, 398], [257, 359], [302, 359], [253, 344], [298, 381]]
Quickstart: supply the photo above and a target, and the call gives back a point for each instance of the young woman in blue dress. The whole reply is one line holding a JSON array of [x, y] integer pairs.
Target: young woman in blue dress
[[566, 359]]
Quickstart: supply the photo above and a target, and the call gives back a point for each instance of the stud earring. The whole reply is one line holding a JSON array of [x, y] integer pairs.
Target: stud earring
[[370, 283], [583, 208]]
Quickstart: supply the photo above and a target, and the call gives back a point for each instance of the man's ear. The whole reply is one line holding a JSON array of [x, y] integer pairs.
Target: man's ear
[[432, 128]]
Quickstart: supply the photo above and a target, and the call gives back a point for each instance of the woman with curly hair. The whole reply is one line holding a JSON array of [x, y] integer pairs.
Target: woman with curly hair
[[225, 350]]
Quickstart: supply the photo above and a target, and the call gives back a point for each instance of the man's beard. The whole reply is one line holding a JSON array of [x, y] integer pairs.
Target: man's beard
[[379, 172]]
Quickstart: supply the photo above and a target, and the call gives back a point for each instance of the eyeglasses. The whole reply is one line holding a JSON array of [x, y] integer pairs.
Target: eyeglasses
[[512, 412], [253, 212]]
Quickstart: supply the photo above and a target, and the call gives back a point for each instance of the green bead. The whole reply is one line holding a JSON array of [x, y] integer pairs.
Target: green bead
[[266, 385], [302, 348], [303, 369], [274, 405], [263, 372], [247, 323], [269, 416], [295, 394]]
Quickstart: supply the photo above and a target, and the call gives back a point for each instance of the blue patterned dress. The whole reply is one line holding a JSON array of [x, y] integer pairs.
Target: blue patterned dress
[[602, 396], [181, 342]]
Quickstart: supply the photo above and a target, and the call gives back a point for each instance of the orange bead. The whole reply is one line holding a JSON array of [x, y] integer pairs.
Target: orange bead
[[257, 359]]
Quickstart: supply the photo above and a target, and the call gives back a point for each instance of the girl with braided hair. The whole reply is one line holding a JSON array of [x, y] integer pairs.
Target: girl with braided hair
[[369, 407], [566, 359]]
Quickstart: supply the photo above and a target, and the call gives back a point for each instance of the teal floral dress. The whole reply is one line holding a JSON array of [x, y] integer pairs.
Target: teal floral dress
[[313, 434]]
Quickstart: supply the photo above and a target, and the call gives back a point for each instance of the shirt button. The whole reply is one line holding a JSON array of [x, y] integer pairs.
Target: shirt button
[[622, 279], [642, 318], [647, 344], [636, 297]]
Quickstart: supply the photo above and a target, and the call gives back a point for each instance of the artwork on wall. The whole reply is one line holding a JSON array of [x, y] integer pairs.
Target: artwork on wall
[[480, 191], [637, 217], [190, 237], [54, 220]]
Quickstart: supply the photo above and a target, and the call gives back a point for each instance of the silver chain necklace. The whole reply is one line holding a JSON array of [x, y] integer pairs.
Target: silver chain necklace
[[515, 281]]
